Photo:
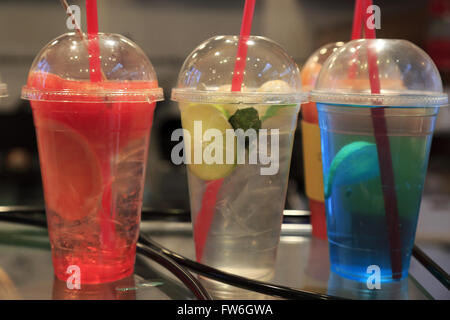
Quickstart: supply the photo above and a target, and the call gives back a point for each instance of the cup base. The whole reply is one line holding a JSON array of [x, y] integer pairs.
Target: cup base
[[353, 273], [93, 267]]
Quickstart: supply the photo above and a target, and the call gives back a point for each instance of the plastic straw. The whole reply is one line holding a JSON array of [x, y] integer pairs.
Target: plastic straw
[[205, 216], [106, 226], [241, 57], [384, 159], [93, 44], [357, 20]]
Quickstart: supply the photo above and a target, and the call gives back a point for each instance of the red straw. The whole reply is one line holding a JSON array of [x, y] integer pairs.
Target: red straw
[[95, 73], [205, 216], [384, 158], [241, 56], [357, 20], [93, 44]]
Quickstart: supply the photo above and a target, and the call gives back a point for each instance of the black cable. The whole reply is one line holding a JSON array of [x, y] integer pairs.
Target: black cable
[[25, 215], [185, 276], [431, 266], [150, 248], [234, 280]]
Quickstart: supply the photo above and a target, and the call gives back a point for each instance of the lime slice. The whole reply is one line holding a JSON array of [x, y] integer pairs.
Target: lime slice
[[221, 108], [210, 117], [354, 163]]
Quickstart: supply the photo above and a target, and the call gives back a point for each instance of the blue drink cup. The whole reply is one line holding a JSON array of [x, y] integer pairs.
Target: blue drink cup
[[373, 180]]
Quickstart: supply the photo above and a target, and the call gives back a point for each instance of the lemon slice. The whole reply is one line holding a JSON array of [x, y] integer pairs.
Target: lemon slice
[[71, 171], [354, 163], [211, 117]]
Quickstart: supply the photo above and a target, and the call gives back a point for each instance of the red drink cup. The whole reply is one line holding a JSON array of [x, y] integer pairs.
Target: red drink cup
[[312, 159], [93, 140]]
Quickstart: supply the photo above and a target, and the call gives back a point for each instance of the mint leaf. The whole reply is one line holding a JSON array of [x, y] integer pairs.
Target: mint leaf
[[245, 119], [272, 110]]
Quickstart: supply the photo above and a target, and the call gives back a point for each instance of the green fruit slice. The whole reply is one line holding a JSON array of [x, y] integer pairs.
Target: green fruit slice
[[210, 117], [354, 163]]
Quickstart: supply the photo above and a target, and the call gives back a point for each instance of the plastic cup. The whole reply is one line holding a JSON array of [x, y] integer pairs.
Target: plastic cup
[[312, 155], [93, 139], [237, 205], [369, 238]]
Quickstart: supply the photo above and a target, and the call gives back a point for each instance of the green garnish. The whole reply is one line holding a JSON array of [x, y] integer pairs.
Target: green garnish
[[245, 119]]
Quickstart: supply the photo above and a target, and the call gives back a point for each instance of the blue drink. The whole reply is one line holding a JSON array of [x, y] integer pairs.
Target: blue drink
[[357, 222]]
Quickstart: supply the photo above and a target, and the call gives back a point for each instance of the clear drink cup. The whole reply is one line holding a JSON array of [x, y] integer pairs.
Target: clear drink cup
[[237, 199], [375, 149], [93, 139]]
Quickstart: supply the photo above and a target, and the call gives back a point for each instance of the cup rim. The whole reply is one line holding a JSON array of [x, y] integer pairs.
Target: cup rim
[[97, 96], [238, 97], [387, 98]]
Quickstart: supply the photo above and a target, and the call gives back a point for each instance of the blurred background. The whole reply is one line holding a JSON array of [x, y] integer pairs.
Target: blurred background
[[168, 31]]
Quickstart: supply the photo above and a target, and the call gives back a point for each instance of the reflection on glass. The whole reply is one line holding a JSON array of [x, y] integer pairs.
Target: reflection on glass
[[8, 290], [351, 289], [124, 289], [318, 267], [223, 291]]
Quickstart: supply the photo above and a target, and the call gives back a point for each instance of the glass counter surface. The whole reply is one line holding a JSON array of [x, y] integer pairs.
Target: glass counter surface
[[26, 269]]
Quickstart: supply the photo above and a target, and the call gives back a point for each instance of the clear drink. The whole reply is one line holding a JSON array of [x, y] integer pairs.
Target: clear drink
[[244, 230], [238, 189]]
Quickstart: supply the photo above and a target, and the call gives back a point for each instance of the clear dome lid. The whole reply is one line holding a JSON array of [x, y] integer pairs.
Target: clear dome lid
[[271, 76], [408, 77], [311, 68], [61, 72]]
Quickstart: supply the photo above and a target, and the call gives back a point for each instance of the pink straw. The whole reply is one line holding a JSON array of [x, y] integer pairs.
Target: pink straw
[[384, 159], [95, 73], [205, 216]]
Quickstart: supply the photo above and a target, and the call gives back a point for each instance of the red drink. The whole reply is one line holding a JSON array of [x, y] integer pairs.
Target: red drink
[[93, 140], [93, 157]]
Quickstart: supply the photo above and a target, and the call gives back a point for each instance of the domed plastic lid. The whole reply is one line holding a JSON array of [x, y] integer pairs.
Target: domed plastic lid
[[408, 77], [312, 66], [3, 89], [270, 76], [61, 72]]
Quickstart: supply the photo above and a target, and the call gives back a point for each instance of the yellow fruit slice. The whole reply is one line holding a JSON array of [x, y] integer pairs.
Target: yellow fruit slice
[[210, 117]]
